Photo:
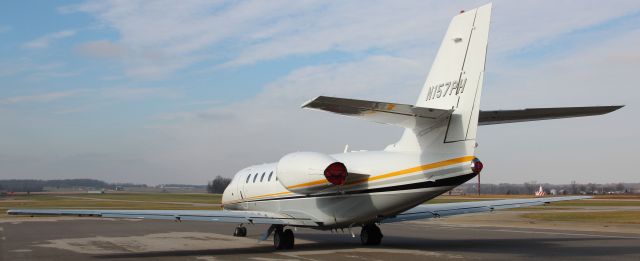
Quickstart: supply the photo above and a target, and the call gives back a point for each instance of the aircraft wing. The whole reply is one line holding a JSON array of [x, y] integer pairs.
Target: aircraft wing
[[451, 209], [403, 115], [253, 217], [536, 114]]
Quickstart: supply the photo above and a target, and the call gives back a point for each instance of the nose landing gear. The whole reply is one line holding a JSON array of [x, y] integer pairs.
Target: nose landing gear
[[240, 231]]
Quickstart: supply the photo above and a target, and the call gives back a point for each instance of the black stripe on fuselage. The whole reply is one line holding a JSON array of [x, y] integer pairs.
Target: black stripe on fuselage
[[453, 181]]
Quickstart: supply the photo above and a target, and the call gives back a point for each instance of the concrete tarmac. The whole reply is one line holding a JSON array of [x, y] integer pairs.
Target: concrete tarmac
[[93, 239]]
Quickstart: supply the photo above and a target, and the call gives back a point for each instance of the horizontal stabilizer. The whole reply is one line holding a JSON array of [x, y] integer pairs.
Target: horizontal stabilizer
[[383, 112], [536, 114]]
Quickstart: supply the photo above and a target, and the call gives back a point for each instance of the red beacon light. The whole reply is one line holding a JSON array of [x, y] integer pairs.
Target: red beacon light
[[336, 173], [476, 165]]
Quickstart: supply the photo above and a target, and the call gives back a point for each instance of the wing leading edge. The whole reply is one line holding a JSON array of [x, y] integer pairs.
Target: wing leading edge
[[253, 217], [451, 209]]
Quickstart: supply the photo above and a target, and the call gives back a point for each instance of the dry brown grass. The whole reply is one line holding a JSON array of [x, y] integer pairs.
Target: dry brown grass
[[623, 217]]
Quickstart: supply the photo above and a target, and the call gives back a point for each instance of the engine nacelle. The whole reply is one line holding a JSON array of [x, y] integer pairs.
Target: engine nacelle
[[310, 172]]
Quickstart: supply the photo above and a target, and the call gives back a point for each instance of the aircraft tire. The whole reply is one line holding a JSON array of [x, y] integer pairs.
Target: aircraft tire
[[371, 235], [289, 238], [244, 231], [279, 241]]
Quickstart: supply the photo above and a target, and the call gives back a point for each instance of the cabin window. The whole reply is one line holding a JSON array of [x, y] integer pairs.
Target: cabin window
[[254, 177], [248, 177], [270, 174], [262, 177]]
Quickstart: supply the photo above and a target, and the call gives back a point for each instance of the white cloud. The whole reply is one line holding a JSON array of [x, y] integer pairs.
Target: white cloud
[[107, 94], [46, 40], [41, 98], [102, 49], [137, 93], [166, 36], [13, 67], [4, 28]]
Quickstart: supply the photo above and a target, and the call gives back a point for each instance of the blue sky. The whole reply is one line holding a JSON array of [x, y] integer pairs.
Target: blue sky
[[181, 91]]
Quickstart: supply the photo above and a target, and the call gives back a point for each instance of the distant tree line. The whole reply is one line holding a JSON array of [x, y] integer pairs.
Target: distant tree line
[[529, 188], [35, 185], [218, 185]]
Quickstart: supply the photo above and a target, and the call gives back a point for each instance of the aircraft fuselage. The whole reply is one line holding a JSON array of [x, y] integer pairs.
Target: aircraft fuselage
[[379, 184]]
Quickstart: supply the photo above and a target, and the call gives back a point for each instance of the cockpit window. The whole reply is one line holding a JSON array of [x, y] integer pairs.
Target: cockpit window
[[254, 177], [270, 174], [248, 177], [262, 177]]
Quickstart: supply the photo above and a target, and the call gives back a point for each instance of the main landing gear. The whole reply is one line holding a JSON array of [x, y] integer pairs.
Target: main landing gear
[[240, 231], [371, 235], [283, 239]]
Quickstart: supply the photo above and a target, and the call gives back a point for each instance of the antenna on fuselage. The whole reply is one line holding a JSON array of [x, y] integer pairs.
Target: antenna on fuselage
[[346, 148]]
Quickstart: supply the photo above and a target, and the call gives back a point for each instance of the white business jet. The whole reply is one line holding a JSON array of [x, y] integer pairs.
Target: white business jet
[[364, 189]]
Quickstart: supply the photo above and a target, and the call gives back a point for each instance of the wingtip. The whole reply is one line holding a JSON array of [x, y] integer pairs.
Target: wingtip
[[306, 104], [616, 107]]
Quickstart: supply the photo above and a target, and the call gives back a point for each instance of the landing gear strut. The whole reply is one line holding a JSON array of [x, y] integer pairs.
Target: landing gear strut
[[240, 231], [371, 235], [283, 239]]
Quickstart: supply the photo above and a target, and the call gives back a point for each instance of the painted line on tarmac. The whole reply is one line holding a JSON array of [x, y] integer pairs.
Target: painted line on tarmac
[[540, 232]]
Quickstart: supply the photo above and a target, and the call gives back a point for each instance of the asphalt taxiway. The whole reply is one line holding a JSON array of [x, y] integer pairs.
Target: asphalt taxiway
[[92, 239]]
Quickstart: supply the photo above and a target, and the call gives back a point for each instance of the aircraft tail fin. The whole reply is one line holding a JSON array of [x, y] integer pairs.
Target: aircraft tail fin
[[454, 83]]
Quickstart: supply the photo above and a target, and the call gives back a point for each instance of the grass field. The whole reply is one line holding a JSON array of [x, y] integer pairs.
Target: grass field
[[156, 197], [597, 201], [111, 201], [621, 217]]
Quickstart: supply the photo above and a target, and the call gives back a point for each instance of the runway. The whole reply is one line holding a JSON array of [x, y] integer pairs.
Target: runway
[[91, 239]]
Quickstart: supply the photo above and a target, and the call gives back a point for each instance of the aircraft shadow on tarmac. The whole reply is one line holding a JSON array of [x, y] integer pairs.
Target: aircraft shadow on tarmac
[[523, 247]]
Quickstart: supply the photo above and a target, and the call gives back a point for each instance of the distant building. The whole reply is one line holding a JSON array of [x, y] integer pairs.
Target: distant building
[[4, 193], [540, 192]]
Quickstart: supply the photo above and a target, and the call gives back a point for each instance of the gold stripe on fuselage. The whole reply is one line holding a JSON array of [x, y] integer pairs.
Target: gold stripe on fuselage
[[368, 179]]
